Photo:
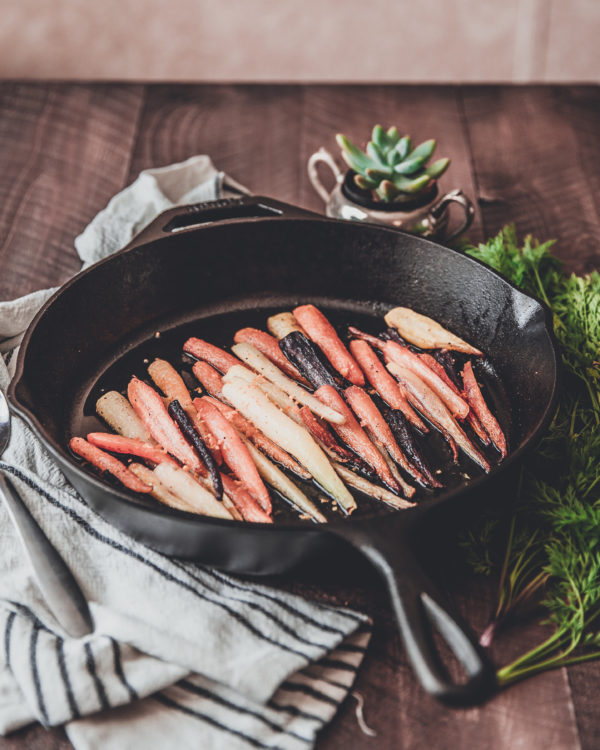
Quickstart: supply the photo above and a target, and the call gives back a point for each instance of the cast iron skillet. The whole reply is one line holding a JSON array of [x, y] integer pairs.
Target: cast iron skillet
[[207, 268]]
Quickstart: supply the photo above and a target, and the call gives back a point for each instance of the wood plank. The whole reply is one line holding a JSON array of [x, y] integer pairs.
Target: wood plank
[[66, 151], [251, 132], [529, 166]]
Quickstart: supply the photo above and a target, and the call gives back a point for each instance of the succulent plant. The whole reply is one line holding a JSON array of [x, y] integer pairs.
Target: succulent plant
[[391, 167]]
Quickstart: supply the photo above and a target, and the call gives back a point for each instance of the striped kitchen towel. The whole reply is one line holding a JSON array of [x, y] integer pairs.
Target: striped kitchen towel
[[181, 655]]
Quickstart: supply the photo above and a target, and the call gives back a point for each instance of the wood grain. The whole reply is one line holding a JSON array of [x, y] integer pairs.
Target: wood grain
[[529, 155]]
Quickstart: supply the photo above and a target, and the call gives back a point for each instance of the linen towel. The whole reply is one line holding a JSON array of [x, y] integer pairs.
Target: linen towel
[[181, 655]]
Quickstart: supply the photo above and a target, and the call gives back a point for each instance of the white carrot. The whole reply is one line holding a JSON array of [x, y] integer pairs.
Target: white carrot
[[253, 403], [252, 357]]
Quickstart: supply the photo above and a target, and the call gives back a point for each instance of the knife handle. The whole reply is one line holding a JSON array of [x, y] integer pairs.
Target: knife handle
[[56, 582]]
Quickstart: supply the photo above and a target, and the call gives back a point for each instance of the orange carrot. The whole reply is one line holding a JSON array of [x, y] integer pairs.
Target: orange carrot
[[170, 382], [130, 446], [269, 346], [151, 409], [244, 502], [320, 330], [383, 382], [477, 402], [106, 462], [402, 355], [235, 453], [211, 379], [210, 353], [246, 427], [354, 435], [370, 416]]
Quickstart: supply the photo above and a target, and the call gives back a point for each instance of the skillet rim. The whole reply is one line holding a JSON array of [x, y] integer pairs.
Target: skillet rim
[[61, 454]]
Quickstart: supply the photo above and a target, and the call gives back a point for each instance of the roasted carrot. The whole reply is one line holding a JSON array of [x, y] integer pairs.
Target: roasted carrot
[[383, 382], [372, 490], [252, 357], [370, 417], [246, 428], [159, 491], [299, 350], [210, 353], [437, 412], [439, 370], [244, 502], [477, 402], [211, 379], [151, 409], [188, 428], [253, 403], [234, 451], [320, 330], [354, 435], [193, 492], [282, 324], [170, 382], [401, 355], [425, 332], [269, 346], [129, 446], [106, 462], [119, 414], [401, 431]]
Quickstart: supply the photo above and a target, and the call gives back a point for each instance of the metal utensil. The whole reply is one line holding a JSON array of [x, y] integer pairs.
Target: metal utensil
[[60, 590]]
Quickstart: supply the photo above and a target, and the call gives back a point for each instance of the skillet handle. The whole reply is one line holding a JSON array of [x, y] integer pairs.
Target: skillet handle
[[417, 608], [189, 218]]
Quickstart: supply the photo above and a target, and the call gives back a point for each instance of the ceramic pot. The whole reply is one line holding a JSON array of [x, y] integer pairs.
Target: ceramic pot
[[426, 215]]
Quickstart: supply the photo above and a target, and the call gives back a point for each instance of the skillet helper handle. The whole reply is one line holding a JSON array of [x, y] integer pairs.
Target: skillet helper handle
[[455, 196], [417, 607], [54, 579], [192, 217]]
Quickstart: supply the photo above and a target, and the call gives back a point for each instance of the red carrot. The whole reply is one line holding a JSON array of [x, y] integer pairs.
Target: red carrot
[[354, 435], [383, 382], [210, 353], [319, 430], [130, 446], [106, 462], [269, 346], [370, 417], [402, 355], [477, 403], [235, 453], [244, 502], [151, 409], [320, 330], [246, 427], [211, 379]]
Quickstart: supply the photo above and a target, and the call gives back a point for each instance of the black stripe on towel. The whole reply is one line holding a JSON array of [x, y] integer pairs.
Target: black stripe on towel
[[307, 690], [202, 692], [209, 720], [284, 605], [35, 673], [62, 665], [98, 684], [295, 711], [140, 558], [269, 615], [10, 621], [118, 664]]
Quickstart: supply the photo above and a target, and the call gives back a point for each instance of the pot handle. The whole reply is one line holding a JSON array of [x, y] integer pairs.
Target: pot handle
[[455, 196], [188, 218], [418, 609], [323, 155]]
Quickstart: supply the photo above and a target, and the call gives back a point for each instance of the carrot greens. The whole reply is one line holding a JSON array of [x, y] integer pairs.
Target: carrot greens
[[552, 548]]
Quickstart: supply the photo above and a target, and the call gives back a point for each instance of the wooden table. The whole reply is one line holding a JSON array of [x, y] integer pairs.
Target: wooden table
[[530, 155]]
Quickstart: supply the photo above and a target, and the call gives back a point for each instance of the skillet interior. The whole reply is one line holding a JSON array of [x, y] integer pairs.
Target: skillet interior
[[192, 282]]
